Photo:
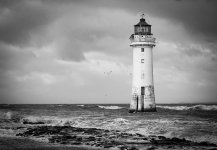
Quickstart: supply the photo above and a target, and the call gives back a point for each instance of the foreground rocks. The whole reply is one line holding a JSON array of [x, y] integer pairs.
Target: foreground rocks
[[100, 138]]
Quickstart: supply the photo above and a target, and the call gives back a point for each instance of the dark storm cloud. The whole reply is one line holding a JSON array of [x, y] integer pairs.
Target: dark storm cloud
[[197, 16], [27, 23], [18, 20], [21, 21]]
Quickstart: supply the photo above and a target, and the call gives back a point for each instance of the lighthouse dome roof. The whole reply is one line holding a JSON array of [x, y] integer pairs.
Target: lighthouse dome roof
[[142, 22]]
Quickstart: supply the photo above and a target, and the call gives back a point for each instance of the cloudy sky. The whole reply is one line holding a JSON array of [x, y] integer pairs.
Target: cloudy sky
[[62, 51]]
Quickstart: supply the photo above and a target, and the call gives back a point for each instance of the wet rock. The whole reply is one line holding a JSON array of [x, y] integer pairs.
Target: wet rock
[[137, 141], [112, 136], [51, 140], [107, 139], [79, 139], [151, 148], [174, 139], [161, 137], [98, 144], [123, 147], [152, 136], [64, 142], [91, 138], [140, 135], [133, 148], [108, 145], [75, 143], [206, 144], [27, 122]]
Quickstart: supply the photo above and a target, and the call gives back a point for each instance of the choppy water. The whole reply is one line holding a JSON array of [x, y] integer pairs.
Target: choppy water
[[193, 122]]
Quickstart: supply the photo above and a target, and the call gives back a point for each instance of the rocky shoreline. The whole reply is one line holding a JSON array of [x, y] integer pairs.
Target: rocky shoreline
[[110, 139]]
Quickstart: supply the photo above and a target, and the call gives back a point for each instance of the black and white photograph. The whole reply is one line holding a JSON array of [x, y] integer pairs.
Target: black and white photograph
[[108, 74]]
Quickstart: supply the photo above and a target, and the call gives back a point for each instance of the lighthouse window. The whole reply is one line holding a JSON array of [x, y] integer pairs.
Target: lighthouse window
[[143, 76], [142, 60], [142, 49]]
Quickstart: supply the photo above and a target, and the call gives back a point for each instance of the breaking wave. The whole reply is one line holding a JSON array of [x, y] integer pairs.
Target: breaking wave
[[48, 120], [6, 115], [83, 122], [195, 107], [110, 107]]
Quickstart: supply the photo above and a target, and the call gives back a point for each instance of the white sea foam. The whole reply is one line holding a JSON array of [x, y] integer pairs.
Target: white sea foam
[[210, 138], [195, 107], [6, 115], [53, 121], [7, 132], [116, 124], [35, 119], [81, 105], [110, 107], [174, 107], [205, 107]]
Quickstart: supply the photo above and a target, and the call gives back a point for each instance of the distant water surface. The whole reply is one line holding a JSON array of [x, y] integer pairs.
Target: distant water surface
[[196, 122]]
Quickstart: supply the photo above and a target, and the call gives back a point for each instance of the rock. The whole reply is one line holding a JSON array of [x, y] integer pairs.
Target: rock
[[161, 137], [98, 139], [91, 138], [140, 135], [133, 148], [98, 145], [152, 136], [151, 148], [174, 139], [108, 138], [75, 143], [27, 122], [137, 142], [79, 139], [108, 145], [112, 136], [124, 147], [206, 144], [170, 147], [64, 142]]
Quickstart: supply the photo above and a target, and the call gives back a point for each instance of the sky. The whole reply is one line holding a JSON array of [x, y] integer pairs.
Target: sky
[[77, 51]]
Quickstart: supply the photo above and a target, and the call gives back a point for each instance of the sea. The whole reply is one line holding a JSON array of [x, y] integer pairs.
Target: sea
[[195, 122]]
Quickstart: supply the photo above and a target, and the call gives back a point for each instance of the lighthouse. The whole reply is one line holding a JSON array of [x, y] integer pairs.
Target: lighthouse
[[142, 43]]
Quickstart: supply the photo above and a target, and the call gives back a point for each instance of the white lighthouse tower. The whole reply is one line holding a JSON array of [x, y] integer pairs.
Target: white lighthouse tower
[[142, 42]]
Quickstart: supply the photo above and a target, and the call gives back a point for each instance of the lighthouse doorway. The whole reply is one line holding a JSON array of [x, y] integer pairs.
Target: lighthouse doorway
[[137, 103], [142, 90]]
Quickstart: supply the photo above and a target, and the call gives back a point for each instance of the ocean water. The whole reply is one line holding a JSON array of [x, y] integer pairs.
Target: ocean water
[[196, 122]]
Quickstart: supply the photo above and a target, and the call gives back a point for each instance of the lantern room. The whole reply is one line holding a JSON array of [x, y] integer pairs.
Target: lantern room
[[142, 28]]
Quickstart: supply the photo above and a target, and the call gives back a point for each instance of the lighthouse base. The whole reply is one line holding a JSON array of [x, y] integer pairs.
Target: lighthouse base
[[141, 104], [144, 110]]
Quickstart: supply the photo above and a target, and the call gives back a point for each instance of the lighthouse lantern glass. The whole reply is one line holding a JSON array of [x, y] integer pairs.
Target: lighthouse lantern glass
[[142, 27]]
